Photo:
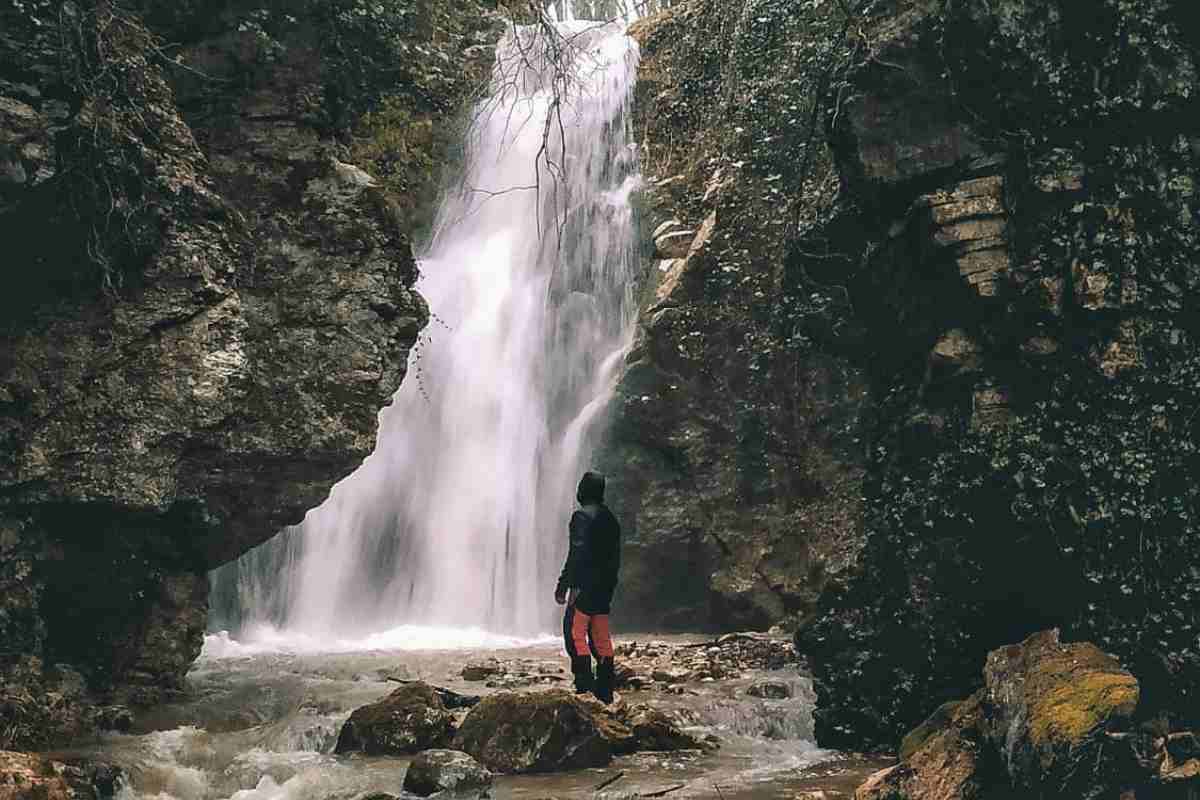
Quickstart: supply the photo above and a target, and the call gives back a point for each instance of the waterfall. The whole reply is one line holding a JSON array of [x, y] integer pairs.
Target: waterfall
[[458, 519]]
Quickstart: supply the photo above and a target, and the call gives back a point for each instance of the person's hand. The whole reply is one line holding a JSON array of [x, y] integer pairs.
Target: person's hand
[[572, 597], [560, 596]]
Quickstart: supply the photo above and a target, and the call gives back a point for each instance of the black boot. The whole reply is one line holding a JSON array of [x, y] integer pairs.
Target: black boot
[[605, 675], [581, 666]]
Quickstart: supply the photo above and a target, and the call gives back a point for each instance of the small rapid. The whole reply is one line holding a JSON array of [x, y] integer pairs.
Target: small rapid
[[261, 724]]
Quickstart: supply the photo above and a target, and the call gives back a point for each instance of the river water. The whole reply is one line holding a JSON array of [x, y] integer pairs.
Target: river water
[[259, 722]]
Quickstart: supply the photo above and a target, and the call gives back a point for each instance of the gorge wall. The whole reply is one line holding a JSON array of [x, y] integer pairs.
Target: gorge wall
[[923, 341], [204, 211], [736, 458]]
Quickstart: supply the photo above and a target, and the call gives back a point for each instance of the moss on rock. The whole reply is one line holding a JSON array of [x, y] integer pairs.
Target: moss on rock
[[538, 732], [1051, 706], [1075, 709], [411, 719], [918, 736]]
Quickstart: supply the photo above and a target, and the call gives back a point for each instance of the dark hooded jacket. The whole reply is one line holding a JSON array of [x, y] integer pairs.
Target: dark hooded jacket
[[594, 558]]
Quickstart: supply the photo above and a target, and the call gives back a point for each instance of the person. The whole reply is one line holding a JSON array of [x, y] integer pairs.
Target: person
[[586, 585]]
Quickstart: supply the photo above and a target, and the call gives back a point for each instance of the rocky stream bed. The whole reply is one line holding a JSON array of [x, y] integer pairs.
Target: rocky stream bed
[[723, 718]]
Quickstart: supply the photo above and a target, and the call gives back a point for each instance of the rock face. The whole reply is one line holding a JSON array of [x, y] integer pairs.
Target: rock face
[[1052, 720], [409, 720], [538, 732], [940, 266], [445, 770], [1025, 315], [733, 464], [210, 304]]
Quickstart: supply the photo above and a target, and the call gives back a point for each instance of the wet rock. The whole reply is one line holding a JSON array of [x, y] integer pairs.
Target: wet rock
[[445, 770], [114, 718], [535, 732], [25, 776], [668, 667], [945, 764], [481, 671], [518, 674], [1050, 706], [625, 675], [455, 701], [106, 779], [29, 776], [655, 730], [411, 719], [770, 690]]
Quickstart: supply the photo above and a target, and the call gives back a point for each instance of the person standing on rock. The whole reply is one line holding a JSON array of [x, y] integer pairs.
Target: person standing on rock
[[586, 585]]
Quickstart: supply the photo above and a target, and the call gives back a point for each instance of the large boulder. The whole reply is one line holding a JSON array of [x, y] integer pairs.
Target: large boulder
[[411, 719], [539, 732], [445, 770], [1053, 720], [1052, 706]]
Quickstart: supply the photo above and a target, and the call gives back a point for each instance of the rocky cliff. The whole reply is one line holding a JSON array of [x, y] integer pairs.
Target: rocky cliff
[[736, 456], [209, 300], [928, 335]]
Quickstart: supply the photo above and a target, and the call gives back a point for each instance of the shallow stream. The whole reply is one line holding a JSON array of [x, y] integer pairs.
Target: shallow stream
[[260, 723]]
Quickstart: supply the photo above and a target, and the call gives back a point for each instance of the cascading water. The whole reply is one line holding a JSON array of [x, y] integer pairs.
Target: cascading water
[[458, 518]]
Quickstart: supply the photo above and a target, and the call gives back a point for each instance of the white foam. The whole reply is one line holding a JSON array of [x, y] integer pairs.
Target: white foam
[[311, 784], [264, 639]]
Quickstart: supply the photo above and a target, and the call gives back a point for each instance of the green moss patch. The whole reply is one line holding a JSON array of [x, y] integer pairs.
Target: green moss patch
[[1073, 701]]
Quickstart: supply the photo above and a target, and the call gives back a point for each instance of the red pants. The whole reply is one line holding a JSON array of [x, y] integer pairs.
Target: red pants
[[587, 633]]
